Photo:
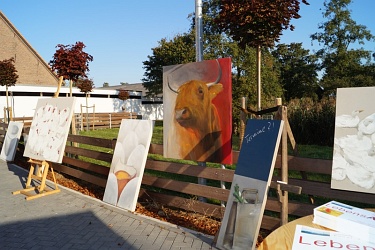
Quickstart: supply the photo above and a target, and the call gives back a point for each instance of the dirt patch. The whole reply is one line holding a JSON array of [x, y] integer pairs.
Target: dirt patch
[[191, 220]]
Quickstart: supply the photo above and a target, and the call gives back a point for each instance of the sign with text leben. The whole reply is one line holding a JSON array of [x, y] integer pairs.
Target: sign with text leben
[[247, 199]]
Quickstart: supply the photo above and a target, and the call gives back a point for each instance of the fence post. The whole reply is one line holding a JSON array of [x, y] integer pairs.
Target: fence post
[[93, 121], [222, 184], [110, 121], [81, 117], [242, 120], [202, 181], [284, 166]]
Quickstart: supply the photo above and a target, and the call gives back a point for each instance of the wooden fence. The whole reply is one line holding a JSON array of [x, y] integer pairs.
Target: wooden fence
[[175, 184], [102, 120], [91, 120]]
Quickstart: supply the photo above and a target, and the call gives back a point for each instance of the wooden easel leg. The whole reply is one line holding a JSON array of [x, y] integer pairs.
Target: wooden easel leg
[[29, 177], [43, 168], [54, 179], [44, 177]]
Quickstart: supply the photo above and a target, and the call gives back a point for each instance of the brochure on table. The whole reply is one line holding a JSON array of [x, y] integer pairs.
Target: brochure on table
[[308, 238]]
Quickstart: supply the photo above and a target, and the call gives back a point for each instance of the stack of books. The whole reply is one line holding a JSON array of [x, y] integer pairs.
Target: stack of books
[[353, 228]]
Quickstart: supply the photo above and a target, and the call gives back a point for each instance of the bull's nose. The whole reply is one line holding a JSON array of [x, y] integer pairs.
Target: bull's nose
[[182, 114]]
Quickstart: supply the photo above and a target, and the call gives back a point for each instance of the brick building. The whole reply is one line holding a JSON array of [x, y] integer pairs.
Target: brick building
[[32, 69]]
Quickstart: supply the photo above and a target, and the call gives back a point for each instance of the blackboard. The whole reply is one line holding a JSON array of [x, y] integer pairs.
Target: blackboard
[[253, 171], [258, 148]]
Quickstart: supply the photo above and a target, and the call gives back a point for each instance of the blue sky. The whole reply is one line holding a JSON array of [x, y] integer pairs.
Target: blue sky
[[120, 34]]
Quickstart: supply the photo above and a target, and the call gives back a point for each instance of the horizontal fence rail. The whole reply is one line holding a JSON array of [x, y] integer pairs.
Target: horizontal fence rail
[[175, 184], [102, 120], [91, 120]]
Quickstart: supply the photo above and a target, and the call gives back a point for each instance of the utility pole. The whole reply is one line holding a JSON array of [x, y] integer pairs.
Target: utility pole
[[198, 31], [199, 57]]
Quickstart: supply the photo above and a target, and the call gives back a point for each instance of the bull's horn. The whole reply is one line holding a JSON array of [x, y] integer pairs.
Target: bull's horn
[[169, 85], [218, 78]]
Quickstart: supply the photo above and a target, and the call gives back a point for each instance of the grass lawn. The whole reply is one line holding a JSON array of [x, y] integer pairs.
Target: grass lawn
[[308, 151]]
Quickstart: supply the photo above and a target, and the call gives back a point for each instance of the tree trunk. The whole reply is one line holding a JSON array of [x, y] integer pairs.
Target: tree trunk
[[87, 113], [259, 79], [6, 93]]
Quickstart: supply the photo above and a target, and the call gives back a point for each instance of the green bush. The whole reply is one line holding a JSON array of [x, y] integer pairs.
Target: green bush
[[312, 122]]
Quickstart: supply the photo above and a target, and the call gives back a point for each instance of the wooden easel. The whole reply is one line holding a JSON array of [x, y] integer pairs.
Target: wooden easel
[[282, 187], [41, 171], [40, 175]]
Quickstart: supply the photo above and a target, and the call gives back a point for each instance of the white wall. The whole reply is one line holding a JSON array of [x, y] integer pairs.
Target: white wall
[[24, 106]]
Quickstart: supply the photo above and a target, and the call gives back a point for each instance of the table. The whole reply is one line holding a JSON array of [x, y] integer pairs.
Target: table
[[282, 237]]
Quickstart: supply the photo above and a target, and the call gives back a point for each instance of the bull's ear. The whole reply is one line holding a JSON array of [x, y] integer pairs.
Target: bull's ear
[[215, 89]]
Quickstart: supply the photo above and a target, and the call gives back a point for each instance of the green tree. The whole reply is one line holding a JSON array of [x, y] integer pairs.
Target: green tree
[[257, 23], [106, 84], [216, 44], [178, 50], [71, 62], [298, 71], [8, 77], [342, 66]]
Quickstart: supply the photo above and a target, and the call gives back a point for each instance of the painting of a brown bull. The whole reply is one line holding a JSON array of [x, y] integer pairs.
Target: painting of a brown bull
[[196, 120], [197, 109]]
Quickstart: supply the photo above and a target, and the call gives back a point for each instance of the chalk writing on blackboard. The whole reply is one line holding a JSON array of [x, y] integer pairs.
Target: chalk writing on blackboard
[[264, 129]]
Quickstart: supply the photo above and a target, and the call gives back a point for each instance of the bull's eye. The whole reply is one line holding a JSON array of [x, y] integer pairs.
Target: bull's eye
[[200, 90]]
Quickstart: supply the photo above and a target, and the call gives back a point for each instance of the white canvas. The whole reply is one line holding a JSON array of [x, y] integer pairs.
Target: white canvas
[[11, 139], [353, 164], [49, 129], [128, 163]]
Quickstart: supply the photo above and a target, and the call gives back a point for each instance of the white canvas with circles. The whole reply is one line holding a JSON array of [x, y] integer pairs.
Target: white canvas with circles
[[11, 139]]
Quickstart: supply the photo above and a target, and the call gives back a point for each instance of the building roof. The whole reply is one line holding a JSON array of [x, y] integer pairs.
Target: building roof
[[30, 50], [137, 87]]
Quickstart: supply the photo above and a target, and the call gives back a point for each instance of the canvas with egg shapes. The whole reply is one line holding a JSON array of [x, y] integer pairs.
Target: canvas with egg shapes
[[128, 163]]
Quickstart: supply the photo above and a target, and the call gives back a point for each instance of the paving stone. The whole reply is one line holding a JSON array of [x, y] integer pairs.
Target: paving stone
[[70, 220]]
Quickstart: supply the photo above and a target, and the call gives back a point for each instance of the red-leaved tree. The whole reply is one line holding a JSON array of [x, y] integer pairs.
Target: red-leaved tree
[[86, 86], [8, 77], [123, 95], [71, 62], [257, 23]]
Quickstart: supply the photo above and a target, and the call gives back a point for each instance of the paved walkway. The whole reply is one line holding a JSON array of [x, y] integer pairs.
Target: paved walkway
[[71, 220]]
